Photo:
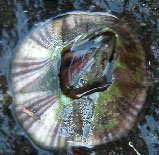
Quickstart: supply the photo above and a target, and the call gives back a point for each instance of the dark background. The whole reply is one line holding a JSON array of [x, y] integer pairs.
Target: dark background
[[17, 17]]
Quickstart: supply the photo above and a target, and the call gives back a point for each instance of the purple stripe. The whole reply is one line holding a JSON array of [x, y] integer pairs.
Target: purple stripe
[[123, 114], [42, 41], [37, 114], [27, 85], [41, 37], [40, 102], [37, 41], [127, 106], [26, 63], [46, 105], [51, 39], [46, 98], [54, 135], [14, 74], [27, 76]]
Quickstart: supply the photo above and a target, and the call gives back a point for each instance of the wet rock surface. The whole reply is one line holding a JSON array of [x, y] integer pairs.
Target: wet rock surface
[[17, 17]]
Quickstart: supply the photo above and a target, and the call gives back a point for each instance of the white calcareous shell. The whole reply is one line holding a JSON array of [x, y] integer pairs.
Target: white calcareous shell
[[50, 118]]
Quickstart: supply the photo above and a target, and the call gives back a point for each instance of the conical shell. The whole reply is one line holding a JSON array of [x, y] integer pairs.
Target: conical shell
[[53, 120]]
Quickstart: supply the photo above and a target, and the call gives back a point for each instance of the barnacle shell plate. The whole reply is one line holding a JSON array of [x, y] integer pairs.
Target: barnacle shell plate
[[54, 120]]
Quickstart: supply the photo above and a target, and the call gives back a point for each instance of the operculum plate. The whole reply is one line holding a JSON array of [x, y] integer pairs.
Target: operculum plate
[[84, 65]]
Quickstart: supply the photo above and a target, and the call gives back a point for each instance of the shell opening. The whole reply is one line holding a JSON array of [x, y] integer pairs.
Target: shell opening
[[87, 65]]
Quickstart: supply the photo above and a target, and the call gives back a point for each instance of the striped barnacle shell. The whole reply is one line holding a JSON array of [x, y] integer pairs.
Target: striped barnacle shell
[[78, 80]]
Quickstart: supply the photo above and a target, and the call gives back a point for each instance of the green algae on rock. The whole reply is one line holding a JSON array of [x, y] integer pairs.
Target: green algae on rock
[[78, 80]]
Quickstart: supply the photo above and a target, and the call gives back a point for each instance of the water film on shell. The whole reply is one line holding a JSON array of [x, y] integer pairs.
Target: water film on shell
[[78, 80]]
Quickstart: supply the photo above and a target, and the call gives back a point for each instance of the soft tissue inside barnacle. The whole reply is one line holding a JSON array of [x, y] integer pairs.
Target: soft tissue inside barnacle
[[86, 65]]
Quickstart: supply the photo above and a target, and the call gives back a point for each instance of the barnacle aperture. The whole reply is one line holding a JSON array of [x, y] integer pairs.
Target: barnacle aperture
[[86, 65], [78, 80]]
